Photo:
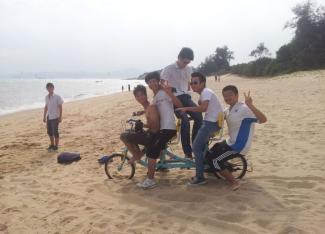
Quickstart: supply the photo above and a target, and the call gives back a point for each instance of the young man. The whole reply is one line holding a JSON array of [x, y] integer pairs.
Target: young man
[[52, 116], [178, 75], [161, 124], [239, 117], [163, 99], [133, 139], [210, 104]]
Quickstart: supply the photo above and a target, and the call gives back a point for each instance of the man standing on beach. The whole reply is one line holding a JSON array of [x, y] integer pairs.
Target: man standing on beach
[[177, 76], [52, 116]]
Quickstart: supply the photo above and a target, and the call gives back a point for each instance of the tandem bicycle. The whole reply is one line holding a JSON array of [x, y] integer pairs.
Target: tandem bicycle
[[117, 166]]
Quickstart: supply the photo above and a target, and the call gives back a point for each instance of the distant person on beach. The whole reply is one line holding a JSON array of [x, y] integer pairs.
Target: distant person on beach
[[129, 87], [240, 118], [210, 104], [178, 75], [160, 123], [52, 116], [122, 88], [217, 77]]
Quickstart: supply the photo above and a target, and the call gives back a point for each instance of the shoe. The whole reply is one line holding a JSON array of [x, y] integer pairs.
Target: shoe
[[147, 184], [55, 148], [189, 156], [197, 181], [50, 148]]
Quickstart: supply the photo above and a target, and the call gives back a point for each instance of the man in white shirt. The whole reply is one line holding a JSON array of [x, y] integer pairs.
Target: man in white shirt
[[52, 116], [210, 104], [164, 101], [177, 76], [240, 118]]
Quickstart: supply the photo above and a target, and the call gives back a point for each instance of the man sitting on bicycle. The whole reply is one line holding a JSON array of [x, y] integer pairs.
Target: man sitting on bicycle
[[239, 117], [163, 101], [210, 104], [140, 137]]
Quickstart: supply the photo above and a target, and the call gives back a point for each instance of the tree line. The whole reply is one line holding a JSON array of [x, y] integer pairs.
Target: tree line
[[306, 50]]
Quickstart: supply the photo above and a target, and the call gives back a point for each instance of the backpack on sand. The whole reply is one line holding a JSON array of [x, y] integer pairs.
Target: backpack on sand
[[66, 157]]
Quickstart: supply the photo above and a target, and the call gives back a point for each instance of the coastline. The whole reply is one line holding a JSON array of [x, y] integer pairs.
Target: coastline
[[65, 102], [70, 90], [283, 194]]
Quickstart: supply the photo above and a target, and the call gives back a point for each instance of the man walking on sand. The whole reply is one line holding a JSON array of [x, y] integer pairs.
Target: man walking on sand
[[177, 76], [52, 116]]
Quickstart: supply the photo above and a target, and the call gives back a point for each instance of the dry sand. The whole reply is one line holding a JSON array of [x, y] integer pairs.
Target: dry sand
[[284, 194]]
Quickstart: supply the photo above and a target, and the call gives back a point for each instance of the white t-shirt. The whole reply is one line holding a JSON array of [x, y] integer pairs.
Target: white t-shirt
[[52, 103], [214, 107], [177, 77], [240, 126], [166, 110]]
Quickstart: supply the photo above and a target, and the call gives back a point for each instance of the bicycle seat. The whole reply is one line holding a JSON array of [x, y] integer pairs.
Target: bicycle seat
[[217, 135]]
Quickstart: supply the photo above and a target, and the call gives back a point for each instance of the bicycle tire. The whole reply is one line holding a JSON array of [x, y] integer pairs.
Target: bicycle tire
[[112, 171], [236, 164]]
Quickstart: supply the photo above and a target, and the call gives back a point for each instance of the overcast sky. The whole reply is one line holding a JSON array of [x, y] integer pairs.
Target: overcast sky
[[106, 36]]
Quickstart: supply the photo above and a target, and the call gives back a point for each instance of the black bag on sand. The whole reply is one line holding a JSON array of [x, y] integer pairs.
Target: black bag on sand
[[66, 157]]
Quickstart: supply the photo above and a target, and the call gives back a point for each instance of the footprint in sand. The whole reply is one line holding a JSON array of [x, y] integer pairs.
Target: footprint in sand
[[3, 227], [68, 219], [303, 185], [179, 196]]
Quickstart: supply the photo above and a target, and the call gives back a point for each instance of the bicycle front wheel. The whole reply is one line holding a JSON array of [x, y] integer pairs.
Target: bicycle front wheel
[[237, 166], [117, 167]]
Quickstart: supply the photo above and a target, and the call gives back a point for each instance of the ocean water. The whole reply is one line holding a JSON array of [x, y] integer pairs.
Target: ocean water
[[24, 94]]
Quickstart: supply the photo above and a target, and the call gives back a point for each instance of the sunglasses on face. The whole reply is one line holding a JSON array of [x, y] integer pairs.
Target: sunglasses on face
[[194, 83]]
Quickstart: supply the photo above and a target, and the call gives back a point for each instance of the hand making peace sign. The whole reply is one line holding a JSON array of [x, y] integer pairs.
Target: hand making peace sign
[[248, 98]]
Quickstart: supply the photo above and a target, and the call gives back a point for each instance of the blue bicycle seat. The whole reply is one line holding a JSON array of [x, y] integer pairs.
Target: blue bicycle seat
[[103, 159]]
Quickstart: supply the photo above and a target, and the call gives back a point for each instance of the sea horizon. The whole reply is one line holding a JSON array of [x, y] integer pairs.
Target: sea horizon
[[21, 94]]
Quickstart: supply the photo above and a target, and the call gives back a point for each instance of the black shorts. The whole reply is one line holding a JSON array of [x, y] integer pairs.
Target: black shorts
[[52, 127], [159, 143], [138, 138], [219, 154]]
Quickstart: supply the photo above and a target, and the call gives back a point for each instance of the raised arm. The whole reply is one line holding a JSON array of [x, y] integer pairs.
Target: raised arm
[[259, 115]]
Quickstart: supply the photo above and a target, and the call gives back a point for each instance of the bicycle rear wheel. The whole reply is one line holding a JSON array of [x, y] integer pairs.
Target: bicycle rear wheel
[[118, 168], [237, 166]]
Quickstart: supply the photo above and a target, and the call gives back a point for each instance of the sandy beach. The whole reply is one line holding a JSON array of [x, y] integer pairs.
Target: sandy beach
[[283, 194]]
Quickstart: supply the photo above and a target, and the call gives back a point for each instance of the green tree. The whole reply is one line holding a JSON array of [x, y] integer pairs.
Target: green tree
[[308, 44], [260, 51], [217, 62]]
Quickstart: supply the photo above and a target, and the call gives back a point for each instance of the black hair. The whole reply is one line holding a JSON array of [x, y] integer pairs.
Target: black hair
[[141, 89], [186, 53], [48, 85], [152, 75], [232, 88], [200, 75]]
